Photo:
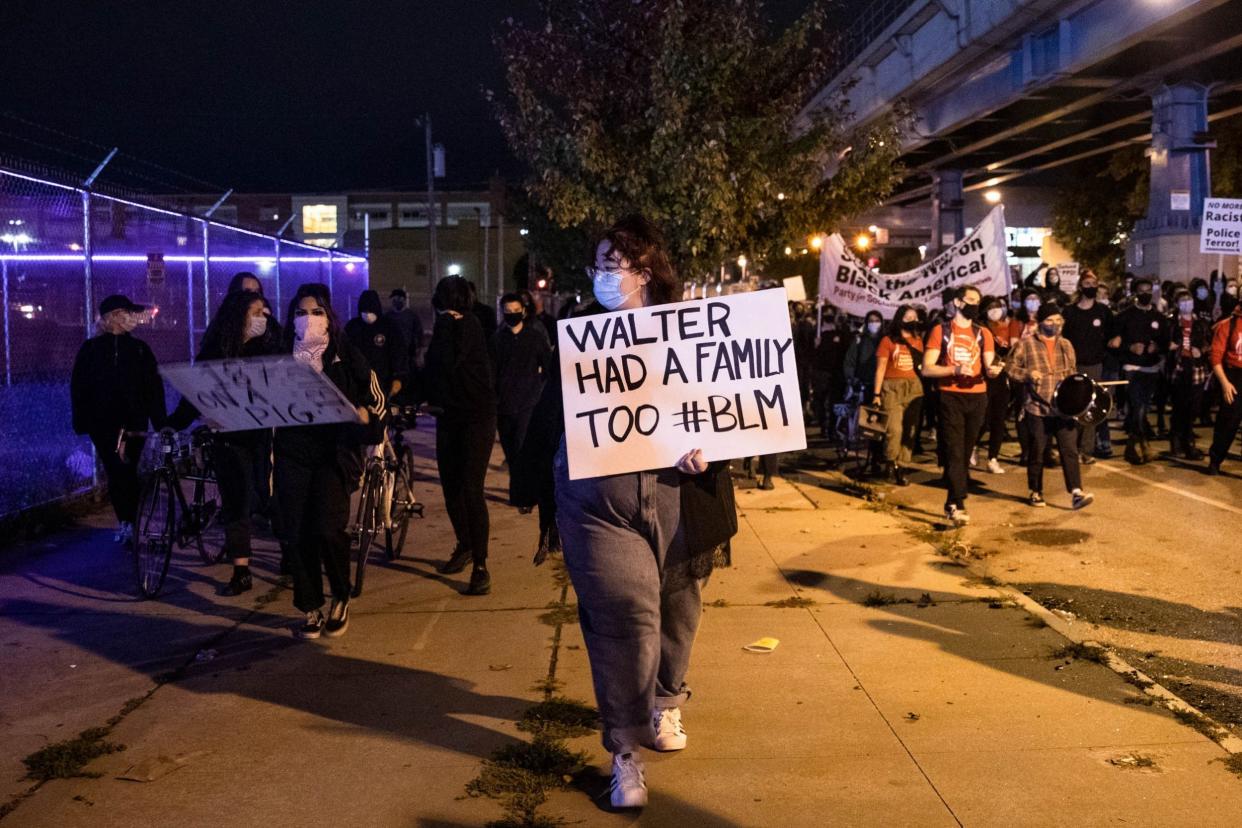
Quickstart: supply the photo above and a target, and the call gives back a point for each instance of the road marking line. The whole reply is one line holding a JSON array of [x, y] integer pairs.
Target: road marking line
[[421, 642], [1166, 487]]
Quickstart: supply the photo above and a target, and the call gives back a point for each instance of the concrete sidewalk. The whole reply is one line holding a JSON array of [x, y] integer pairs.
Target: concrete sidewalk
[[902, 692]]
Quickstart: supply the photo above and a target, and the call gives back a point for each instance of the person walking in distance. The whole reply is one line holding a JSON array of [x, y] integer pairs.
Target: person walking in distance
[[960, 353], [1190, 338], [317, 465], [1041, 362], [997, 309], [458, 381], [639, 547], [1139, 333], [1088, 327], [1226, 359], [116, 385], [898, 388], [408, 323], [520, 359], [382, 342]]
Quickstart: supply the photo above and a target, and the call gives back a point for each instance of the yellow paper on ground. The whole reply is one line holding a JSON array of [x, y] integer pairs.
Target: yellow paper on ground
[[763, 645]]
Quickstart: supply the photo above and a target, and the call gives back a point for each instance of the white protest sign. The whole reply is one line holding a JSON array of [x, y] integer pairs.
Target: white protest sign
[[795, 288], [1221, 230], [1069, 274], [980, 259], [260, 392], [643, 387]]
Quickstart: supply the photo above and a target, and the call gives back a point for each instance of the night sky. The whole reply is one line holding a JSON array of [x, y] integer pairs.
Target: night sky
[[272, 95]]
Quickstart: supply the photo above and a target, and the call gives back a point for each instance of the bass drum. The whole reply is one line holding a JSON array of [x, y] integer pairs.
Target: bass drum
[[1082, 399]]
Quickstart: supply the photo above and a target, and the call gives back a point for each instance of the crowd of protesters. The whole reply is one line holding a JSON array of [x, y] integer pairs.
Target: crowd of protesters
[[979, 371]]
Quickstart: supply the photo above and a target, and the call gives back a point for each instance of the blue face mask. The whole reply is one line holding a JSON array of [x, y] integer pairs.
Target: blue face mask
[[608, 289]]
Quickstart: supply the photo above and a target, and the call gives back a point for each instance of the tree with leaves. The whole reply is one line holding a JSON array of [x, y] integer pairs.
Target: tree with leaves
[[694, 113]]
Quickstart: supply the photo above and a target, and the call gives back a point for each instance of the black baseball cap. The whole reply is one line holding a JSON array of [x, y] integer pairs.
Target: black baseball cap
[[118, 302], [397, 292]]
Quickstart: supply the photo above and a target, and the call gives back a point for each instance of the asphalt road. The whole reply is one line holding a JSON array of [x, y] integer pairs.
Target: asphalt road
[[1155, 563]]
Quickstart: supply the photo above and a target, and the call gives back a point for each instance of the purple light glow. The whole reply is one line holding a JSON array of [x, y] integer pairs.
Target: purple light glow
[[119, 257]]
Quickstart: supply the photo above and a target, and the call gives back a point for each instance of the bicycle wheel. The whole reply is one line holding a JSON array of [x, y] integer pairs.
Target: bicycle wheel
[[153, 533], [403, 507], [368, 524], [204, 509]]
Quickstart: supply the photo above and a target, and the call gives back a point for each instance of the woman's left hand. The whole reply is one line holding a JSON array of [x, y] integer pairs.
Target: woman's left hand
[[692, 462]]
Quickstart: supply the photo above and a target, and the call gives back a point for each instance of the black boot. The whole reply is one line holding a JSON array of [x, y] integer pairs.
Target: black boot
[[456, 562], [1132, 451], [480, 582], [899, 476], [240, 582]]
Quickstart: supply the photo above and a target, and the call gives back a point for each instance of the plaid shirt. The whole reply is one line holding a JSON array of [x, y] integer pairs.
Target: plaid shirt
[[1031, 354]]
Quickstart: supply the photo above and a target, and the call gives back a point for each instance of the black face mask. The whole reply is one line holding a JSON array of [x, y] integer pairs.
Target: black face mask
[[971, 312], [910, 325], [1143, 299], [1090, 292], [513, 319]]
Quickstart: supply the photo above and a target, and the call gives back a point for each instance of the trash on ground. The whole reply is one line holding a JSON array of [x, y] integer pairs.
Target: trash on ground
[[763, 645], [153, 769]]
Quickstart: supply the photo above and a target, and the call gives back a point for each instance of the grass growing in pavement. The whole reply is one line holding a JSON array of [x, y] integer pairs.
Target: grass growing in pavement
[[559, 613], [791, 603], [65, 760], [1198, 721], [875, 598], [1076, 651], [521, 775], [1233, 764], [560, 718]]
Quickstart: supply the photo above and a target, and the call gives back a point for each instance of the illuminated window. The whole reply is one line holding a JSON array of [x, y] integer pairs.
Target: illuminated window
[[319, 218]]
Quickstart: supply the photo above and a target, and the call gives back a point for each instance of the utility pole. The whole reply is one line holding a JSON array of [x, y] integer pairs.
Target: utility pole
[[433, 257]]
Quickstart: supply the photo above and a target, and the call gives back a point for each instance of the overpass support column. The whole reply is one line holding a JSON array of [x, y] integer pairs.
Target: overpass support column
[[1166, 241], [947, 222]]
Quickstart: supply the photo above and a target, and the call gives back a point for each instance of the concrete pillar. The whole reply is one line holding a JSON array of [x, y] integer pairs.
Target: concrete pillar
[[1165, 241], [947, 221]]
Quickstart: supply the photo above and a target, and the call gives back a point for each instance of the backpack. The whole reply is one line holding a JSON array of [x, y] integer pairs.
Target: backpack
[[946, 339]]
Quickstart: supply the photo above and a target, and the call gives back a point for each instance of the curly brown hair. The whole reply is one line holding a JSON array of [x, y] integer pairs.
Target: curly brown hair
[[641, 244]]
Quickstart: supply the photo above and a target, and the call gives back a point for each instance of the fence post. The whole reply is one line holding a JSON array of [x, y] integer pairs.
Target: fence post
[[87, 252], [276, 309], [206, 275], [8, 354], [189, 305], [331, 291]]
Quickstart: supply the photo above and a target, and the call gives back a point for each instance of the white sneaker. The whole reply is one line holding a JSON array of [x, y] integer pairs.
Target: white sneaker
[[956, 516], [669, 734], [994, 466], [629, 788], [974, 458]]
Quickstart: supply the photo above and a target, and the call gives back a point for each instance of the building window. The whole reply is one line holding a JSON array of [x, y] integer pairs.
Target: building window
[[319, 218], [470, 210], [269, 212], [380, 216], [413, 216]]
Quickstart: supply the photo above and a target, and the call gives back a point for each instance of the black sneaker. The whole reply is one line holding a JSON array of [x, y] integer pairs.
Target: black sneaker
[[457, 562], [1213, 468], [338, 619], [1036, 499], [239, 583], [767, 485], [1081, 499], [1086, 460], [899, 476], [313, 626], [480, 582]]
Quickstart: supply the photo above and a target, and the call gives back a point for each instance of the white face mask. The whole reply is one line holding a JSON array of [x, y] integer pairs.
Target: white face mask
[[256, 326], [369, 318], [311, 328], [873, 328], [1032, 305], [607, 285], [1186, 308], [1201, 293], [1232, 290], [996, 314]]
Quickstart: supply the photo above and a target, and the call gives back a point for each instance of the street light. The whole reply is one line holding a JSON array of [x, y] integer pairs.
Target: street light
[[454, 270], [992, 196], [863, 241], [816, 241]]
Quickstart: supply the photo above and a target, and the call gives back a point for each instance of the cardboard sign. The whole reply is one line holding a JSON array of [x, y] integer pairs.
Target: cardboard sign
[[795, 288], [261, 392], [1070, 274], [1221, 230], [643, 387], [980, 259]]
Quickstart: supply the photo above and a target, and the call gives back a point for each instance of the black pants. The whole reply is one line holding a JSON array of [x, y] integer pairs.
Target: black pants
[[1142, 385], [1228, 418], [998, 413], [769, 464], [463, 449], [1187, 398], [122, 471], [314, 511], [961, 420], [512, 430], [1087, 433], [1065, 432], [238, 467]]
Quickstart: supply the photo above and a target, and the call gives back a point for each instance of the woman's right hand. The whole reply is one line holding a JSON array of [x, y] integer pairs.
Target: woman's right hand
[[453, 314]]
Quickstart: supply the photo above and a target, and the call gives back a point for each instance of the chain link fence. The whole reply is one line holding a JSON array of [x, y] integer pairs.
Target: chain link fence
[[62, 250]]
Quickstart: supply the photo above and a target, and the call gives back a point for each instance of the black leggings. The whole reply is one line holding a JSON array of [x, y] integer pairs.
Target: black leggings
[[122, 471], [998, 413], [314, 510], [463, 449], [237, 472]]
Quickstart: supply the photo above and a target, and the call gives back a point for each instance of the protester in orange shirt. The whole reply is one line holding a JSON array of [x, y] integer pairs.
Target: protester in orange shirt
[[1226, 359], [898, 388]]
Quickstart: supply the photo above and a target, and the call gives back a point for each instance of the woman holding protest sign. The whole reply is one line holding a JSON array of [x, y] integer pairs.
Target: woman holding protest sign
[[639, 547], [241, 328], [316, 465]]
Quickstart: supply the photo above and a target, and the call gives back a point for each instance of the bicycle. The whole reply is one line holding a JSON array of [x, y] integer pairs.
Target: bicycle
[[387, 496], [165, 516]]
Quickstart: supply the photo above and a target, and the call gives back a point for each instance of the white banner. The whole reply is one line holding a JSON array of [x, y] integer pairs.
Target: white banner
[[1221, 230], [260, 392], [643, 387], [980, 259]]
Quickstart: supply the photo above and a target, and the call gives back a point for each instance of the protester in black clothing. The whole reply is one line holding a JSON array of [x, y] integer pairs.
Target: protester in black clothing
[[996, 309], [1190, 339], [1052, 288], [1228, 299], [116, 385], [1140, 334], [486, 314], [239, 329], [318, 465], [245, 281], [828, 372], [408, 323], [458, 381], [520, 357], [1204, 299], [1088, 327], [381, 342]]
